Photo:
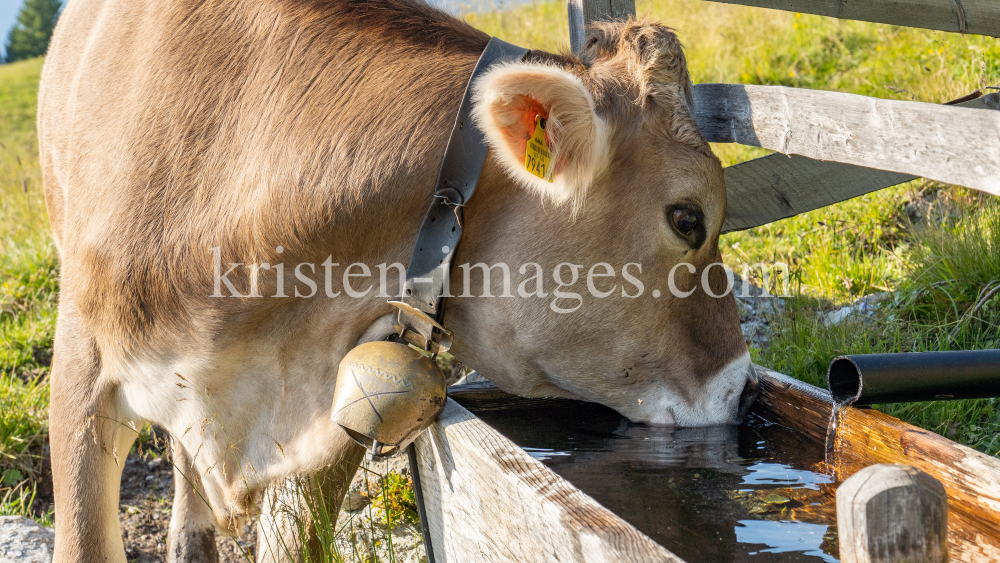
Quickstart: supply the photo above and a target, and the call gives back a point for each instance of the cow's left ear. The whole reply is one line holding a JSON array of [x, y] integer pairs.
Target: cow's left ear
[[508, 101]]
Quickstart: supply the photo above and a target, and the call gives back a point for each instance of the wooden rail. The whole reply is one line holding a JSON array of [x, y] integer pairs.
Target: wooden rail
[[778, 186], [981, 17], [950, 144], [582, 12], [487, 500]]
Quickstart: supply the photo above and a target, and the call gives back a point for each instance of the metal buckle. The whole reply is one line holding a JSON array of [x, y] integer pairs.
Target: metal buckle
[[440, 340], [453, 199]]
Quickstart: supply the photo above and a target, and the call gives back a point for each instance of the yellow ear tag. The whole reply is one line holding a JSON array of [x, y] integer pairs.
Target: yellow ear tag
[[537, 158]]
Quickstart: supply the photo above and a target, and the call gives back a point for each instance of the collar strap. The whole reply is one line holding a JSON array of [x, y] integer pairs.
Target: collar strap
[[421, 306]]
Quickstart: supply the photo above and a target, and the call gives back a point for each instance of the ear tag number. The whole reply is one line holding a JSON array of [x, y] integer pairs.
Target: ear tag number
[[537, 158]]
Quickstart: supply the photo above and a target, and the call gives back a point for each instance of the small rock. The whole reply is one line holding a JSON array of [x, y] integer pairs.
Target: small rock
[[399, 463], [356, 499], [149, 477], [756, 309], [23, 540], [931, 206], [155, 465], [862, 310]]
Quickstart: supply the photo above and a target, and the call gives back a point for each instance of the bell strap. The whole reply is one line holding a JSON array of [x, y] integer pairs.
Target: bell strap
[[430, 264]]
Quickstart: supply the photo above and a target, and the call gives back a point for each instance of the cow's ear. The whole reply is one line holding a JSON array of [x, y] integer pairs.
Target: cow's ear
[[508, 101]]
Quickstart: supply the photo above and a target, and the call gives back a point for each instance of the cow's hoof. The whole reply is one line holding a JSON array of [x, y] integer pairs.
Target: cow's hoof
[[194, 546]]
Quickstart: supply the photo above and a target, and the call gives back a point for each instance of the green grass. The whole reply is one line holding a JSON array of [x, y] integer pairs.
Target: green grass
[[28, 268], [943, 301], [396, 500], [28, 286], [19, 500]]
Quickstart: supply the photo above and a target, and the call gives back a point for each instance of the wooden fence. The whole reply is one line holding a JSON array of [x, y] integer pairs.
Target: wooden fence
[[844, 145]]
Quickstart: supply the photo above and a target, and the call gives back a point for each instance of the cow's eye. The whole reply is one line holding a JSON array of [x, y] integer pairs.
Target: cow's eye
[[689, 222], [685, 221]]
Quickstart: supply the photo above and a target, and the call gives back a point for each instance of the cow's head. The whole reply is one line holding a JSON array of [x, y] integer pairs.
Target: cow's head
[[634, 182]]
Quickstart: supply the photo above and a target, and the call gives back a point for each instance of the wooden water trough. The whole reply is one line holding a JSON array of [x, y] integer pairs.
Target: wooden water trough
[[488, 500]]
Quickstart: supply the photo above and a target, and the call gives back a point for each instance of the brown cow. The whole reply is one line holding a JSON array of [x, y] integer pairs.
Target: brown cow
[[180, 137]]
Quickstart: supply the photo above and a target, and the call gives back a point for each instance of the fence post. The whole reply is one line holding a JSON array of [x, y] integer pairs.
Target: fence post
[[583, 12], [891, 514]]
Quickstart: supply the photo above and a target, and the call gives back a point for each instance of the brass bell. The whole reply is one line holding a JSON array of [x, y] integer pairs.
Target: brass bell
[[386, 394]]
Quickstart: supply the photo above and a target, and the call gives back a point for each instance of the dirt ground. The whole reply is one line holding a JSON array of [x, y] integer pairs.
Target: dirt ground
[[146, 496]]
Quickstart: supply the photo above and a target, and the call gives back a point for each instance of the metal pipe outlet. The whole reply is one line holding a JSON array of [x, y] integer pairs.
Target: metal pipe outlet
[[865, 379]]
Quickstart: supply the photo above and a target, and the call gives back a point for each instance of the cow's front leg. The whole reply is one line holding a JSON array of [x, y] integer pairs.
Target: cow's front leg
[[89, 441], [287, 521], [192, 525]]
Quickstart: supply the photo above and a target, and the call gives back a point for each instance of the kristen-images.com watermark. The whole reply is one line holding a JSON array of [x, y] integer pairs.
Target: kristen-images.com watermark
[[562, 284]]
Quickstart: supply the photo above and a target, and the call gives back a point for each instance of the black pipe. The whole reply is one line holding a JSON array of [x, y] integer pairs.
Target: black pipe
[[866, 379]]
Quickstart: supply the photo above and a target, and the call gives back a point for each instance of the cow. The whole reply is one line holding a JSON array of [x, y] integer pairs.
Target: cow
[[188, 146]]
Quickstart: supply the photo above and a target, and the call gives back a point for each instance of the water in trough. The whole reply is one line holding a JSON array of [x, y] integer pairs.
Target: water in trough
[[752, 493]]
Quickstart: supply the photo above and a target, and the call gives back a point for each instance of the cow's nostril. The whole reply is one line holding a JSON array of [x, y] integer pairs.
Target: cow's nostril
[[749, 394]]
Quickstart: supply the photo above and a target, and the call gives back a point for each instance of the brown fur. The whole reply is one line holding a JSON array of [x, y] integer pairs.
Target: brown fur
[[318, 126]]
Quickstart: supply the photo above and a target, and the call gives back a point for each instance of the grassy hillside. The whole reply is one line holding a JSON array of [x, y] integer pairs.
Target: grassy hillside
[[939, 267], [28, 285]]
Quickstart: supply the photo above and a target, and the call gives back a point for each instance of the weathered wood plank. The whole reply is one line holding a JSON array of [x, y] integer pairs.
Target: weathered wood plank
[[777, 186], [889, 513], [577, 29], [489, 501], [945, 143], [583, 12], [981, 17], [865, 437]]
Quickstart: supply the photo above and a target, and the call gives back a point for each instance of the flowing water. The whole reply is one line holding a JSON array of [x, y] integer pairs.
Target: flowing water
[[752, 493], [831, 433]]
